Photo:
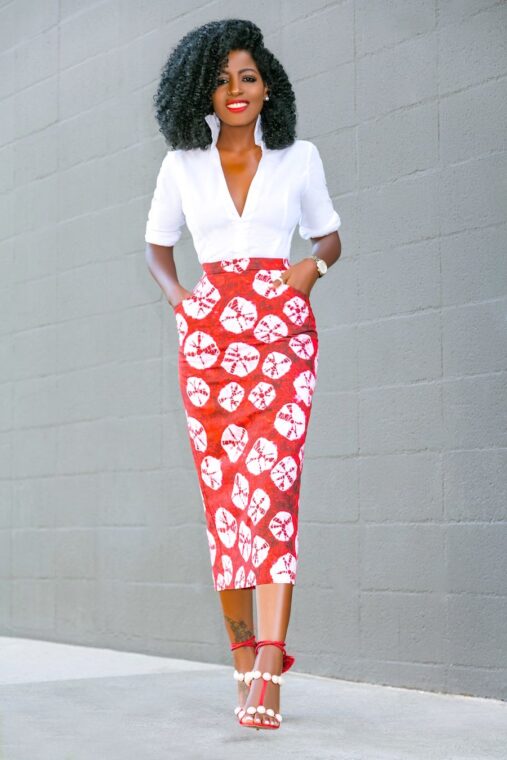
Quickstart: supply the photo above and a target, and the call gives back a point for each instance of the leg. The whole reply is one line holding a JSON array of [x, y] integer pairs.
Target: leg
[[237, 607], [273, 612]]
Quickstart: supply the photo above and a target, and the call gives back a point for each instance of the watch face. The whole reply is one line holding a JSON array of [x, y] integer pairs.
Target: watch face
[[322, 266]]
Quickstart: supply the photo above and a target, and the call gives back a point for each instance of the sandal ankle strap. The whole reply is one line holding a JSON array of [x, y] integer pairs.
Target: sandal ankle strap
[[288, 660], [251, 642]]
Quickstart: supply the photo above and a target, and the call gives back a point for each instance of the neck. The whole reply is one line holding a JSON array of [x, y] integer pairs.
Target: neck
[[237, 139]]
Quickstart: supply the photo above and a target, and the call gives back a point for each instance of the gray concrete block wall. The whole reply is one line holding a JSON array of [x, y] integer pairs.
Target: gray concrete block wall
[[402, 571]]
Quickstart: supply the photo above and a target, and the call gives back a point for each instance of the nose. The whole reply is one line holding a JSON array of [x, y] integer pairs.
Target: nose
[[234, 86]]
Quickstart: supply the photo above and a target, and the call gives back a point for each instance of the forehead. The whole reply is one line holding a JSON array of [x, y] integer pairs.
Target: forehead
[[237, 59]]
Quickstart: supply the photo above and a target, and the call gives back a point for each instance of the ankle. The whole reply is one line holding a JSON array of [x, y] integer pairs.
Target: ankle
[[245, 660], [269, 654]]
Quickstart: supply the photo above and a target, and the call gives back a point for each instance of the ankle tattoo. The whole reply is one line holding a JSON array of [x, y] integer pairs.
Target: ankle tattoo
[[240, 630]]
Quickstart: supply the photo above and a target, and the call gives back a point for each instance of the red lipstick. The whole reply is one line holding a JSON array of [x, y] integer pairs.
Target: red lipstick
[[241, 105]]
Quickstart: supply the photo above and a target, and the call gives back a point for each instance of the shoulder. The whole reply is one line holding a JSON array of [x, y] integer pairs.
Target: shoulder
[[304, 150], [172, 164], [168, 161], [299, 153], [310, 149], [183, 158], [178, 156], [171, 157], [302, 147], [305, 144]]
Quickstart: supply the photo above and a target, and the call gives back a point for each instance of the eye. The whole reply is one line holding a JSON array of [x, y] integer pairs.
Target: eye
[[248, 77]]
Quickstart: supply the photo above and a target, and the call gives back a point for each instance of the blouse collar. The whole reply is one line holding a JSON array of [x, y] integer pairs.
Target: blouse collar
[[214, 123]]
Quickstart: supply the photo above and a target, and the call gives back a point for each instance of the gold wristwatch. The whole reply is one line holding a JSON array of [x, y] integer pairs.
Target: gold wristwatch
[[321, 265]]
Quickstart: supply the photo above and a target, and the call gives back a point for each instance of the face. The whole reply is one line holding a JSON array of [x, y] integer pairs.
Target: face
[[239, 80]]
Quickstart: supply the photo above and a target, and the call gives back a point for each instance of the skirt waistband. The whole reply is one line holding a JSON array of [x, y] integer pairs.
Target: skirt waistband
[[240, 264]]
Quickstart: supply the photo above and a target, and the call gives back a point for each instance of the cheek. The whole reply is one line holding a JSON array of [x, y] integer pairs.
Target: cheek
[[259, 90], [219, 94]]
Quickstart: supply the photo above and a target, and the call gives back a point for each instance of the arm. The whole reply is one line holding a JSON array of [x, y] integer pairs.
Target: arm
[[303, 275], [163, 230], [160, 261], [328, 247], [317, 216]]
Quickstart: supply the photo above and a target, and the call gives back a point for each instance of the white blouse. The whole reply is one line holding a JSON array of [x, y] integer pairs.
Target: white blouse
[[288, 188]]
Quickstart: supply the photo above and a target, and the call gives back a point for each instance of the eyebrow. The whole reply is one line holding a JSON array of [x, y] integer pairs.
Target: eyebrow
[[249, 68]]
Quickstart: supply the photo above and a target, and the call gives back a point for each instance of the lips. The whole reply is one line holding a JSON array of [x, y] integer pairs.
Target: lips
[[237, 105]]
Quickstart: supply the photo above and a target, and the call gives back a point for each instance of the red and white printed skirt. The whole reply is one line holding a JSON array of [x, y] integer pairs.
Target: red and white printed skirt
[[247, 366]]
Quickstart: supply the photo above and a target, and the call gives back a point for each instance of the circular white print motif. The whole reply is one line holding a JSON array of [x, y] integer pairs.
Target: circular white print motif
[[290, 421], [200, 350]]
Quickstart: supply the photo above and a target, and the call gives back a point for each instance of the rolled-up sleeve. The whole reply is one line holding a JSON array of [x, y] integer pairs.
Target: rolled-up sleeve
[[318, 215], [165, 217]]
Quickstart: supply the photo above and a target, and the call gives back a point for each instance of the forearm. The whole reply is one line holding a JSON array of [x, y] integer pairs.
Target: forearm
[[160, 261], [304, 274], [328, 248]]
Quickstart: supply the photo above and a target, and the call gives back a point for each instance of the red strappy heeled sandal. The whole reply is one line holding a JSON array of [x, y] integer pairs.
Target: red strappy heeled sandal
[[251, 642], [288, 662]]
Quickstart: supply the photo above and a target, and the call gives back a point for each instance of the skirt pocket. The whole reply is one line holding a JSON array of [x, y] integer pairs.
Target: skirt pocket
[[298, 292], [180, 304], [306, 298]]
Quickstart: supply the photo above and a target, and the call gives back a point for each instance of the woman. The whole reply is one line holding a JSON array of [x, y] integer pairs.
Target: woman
[[248, 342]]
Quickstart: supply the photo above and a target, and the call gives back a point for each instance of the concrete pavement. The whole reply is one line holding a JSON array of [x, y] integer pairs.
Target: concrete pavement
[[66, 702]]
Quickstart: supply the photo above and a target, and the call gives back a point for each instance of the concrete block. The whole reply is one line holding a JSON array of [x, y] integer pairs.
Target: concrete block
[[399, 350], [475, 485], [477, 622], [403, 557], [401, 487], [477, 559], [471, 51], [401, 418], [398, 144], [397, 76], [474, 339], [382, 25], [472, 269], [474, 413], [399, 280]]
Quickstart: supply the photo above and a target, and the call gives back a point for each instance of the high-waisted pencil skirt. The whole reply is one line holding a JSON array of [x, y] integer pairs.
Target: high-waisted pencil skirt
[[247, 368]]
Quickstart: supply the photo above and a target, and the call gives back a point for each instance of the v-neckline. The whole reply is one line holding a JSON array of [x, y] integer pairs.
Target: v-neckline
[[226, 186], [214, 125]]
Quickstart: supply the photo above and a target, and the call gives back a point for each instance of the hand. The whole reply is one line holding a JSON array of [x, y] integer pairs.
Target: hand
[[301, 276]]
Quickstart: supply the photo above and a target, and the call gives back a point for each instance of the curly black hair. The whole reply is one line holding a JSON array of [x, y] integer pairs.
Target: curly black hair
[[189, 77]]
